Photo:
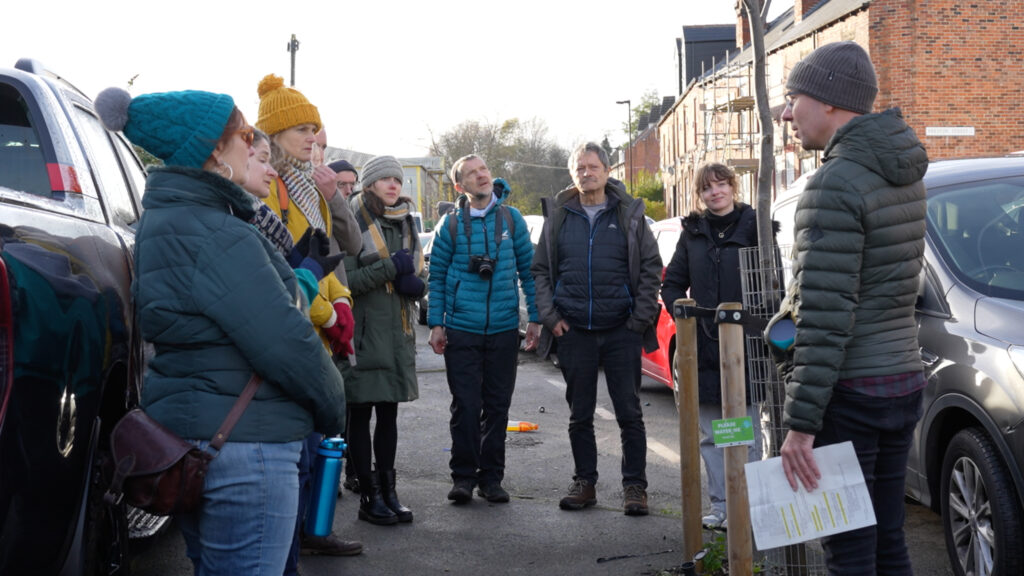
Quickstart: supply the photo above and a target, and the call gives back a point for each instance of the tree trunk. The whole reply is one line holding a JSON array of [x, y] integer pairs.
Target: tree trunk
[[765, 239]]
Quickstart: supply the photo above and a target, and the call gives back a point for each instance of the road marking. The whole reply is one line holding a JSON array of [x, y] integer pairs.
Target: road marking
[[663, 451], [652, 445], [557, 383]]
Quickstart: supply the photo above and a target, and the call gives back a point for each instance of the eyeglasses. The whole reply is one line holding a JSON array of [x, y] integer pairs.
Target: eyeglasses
[[247, 133]]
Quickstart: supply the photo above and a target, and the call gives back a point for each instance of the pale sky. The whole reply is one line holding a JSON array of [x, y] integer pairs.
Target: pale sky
[[384, 75]]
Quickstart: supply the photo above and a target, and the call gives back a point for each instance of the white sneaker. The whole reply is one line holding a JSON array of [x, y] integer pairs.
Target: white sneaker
[[714, 519]]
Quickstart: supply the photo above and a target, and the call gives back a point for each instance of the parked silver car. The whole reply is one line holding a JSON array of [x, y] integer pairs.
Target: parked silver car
[[967, 461]]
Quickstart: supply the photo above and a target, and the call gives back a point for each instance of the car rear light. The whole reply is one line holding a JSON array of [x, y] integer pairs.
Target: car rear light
[[63, 178], [6, 343]]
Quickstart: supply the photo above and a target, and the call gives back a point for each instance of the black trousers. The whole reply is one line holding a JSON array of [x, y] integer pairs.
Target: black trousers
[[580, 354], [881, 430], [481, 377]]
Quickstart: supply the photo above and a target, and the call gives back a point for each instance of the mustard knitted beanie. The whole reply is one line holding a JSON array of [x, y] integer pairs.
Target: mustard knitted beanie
[[282, 108]]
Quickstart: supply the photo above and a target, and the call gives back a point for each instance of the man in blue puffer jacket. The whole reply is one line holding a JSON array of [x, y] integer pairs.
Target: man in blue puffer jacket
[[474, 321]]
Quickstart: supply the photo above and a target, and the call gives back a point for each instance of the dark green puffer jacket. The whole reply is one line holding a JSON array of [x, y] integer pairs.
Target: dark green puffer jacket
[[859, 242], [217, 302]]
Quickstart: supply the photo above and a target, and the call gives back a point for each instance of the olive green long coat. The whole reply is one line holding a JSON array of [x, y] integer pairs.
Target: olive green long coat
[[384, 341]]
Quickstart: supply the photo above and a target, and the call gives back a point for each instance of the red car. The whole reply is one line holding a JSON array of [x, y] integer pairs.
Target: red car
[[658, 364]]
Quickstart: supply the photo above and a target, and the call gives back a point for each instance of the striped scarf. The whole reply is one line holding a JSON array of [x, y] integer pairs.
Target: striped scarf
[[272, 228], [298, 181], [375, 248]]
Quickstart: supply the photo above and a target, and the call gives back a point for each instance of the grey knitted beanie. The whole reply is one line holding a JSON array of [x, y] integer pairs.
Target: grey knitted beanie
[[381, 167], [840, 74]]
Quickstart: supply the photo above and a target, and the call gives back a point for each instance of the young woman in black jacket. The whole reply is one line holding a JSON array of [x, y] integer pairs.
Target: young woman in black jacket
[[707, 263]]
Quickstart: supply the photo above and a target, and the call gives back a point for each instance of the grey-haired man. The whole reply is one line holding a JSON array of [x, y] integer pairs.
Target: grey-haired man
[[598, 272]]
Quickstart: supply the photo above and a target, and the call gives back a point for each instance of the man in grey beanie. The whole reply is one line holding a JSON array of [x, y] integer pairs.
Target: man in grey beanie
[[855, 371]]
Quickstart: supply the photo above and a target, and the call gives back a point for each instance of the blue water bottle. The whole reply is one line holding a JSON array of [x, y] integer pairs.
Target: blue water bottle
[[324, 495]]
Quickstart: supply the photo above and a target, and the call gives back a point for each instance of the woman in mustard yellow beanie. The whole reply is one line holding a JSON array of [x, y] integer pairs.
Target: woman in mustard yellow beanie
[[304, 197]]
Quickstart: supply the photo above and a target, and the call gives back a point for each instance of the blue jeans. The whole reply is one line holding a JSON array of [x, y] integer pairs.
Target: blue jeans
[[481, 377], [306, 460], [247, 518], [881, 430], [714, 457], [580, 354]]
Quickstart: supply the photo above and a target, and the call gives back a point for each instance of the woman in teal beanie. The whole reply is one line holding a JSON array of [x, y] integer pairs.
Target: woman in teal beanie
[[218, 303]]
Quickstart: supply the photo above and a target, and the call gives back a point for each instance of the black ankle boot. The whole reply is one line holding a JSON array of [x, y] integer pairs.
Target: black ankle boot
[[371, 505], [387, 487]]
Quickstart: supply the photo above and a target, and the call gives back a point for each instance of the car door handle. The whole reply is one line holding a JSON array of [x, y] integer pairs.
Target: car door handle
[[928, 358]]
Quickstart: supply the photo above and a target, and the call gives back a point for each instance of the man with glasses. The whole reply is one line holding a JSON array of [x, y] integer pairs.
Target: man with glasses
[[345, 177], [597, 273], [855, 369]]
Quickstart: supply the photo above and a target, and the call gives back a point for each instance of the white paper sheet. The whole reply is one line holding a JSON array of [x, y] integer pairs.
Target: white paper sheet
[[780, 516]]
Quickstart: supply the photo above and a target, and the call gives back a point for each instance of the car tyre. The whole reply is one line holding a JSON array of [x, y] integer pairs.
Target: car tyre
[[981, 516], [421, 313]]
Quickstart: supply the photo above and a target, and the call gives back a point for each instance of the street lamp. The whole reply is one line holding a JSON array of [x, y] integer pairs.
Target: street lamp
[[629, 130]]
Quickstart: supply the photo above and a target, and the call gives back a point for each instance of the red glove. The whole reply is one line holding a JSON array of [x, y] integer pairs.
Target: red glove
[[333, 334], [345, 320]]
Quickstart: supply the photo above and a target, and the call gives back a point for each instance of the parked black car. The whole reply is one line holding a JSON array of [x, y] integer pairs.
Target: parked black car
[[70, 357], [967, 461]]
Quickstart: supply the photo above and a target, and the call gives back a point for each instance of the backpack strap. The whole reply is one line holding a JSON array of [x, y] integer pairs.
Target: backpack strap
[[282, 199], [506, 214]]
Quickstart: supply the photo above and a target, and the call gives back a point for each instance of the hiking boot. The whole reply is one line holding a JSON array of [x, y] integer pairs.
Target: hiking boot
[[715, 519], [581, 494], [493, 492], [634, 500], [461, 492], [330, 545]]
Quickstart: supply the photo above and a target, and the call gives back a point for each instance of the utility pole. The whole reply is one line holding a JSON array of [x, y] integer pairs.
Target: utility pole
[[293, 47]]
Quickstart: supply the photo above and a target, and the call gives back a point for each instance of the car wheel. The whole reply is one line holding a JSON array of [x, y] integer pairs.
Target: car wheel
[[106, 527], [980, 513], [674, 371], [421, 313]]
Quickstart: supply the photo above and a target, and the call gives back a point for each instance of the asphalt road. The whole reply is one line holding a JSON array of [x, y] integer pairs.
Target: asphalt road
[[530, 535]]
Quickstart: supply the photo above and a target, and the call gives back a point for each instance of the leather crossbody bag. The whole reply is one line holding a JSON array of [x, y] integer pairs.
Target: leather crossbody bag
[[157, 471]]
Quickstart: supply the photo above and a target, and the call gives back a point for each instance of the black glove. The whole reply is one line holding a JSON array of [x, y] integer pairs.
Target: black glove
[[318, 261], [409, 286], [300, 250], [403, 263], [319, 244]]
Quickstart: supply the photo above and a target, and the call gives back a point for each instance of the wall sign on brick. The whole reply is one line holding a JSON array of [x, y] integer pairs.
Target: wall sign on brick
[[949, 131]]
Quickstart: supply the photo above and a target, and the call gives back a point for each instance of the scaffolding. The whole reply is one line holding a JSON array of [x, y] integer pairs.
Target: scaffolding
[[728, 104], [769, 394]]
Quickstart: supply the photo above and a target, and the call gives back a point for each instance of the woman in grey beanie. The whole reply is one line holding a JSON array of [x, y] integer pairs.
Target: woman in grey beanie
[[386, 277]]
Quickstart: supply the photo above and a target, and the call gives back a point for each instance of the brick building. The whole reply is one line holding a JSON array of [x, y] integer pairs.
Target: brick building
[[645, 148], [953, 67]]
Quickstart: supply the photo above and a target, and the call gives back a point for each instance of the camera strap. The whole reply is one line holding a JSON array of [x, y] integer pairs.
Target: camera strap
[[503, 213]]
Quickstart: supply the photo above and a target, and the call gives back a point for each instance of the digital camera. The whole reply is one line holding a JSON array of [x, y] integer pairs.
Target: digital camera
[[481, 265]]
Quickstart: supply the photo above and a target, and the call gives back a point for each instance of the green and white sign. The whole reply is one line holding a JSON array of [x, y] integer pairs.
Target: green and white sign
[[732, 431]]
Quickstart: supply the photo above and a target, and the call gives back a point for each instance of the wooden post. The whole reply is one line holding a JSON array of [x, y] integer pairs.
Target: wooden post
[[734, 405], [687, 405]]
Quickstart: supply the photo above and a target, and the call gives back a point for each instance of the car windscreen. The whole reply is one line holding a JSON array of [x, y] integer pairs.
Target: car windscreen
[[978, 228]]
